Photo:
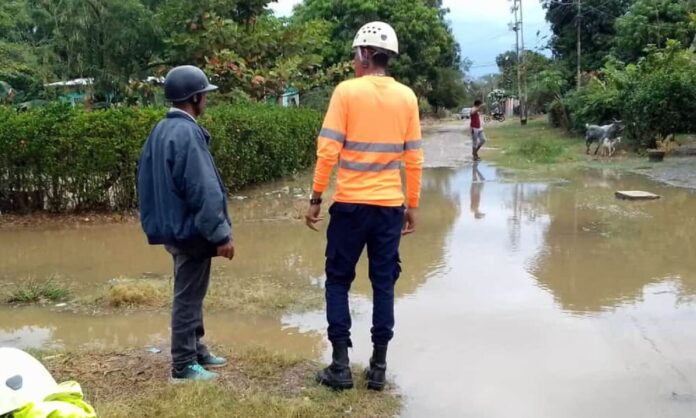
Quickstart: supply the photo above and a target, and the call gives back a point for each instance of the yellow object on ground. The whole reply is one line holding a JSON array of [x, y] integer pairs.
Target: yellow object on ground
[[66, 402]]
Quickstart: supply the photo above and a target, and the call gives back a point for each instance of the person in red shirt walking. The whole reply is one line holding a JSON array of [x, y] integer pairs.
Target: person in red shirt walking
[[478, 137]]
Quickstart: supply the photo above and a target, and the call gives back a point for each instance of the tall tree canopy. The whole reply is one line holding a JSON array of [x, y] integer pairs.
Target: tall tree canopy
[[108, 40], [244, 47], [426, 41], [653, 22], [597, 23], [507, 65]]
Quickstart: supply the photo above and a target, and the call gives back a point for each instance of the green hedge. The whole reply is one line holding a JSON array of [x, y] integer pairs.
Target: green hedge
[[58, 159]]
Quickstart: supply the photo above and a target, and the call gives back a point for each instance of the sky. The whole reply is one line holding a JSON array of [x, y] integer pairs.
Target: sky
[[481, 28]]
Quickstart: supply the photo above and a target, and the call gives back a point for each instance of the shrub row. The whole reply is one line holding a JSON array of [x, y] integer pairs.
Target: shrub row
[[59, 159], [654, 97]]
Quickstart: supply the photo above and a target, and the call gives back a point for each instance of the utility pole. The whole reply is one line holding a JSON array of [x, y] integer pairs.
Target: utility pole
[[523, 62], [518, 27], [579, 23]]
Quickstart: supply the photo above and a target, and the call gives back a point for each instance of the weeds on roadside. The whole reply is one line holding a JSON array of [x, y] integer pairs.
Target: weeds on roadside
[[130, 295], [34, 291], [538, 150]]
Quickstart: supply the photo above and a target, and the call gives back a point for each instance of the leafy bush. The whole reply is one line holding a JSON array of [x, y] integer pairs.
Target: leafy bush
[[558, 114], [660, 96], [598, 102], [258, 143], [60, 159], [656, 96]]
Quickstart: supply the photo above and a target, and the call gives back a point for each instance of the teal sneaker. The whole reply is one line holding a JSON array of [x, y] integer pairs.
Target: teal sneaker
[[193, 372], [212, 361]]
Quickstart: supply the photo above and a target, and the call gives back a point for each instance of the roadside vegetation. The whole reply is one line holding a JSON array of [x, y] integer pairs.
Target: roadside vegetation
[[59, 159], [32, 291], [536, 144], [638, 66], [257, 383], [241, 294], [137, 294]]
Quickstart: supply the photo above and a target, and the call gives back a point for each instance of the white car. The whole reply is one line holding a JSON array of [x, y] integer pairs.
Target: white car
[[465, 113]]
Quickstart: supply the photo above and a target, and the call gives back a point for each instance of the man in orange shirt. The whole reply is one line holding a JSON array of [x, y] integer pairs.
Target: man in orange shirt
[[371, 128]]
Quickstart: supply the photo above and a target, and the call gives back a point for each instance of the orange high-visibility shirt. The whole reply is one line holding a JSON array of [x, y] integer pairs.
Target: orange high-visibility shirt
[[372, 127]]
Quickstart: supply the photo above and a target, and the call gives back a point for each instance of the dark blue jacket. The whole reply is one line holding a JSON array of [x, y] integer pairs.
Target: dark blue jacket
[[182, 199]]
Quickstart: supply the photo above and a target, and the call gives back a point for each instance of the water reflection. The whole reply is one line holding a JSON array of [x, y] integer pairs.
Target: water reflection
[[37, 328], [477, 185], [600, 252]]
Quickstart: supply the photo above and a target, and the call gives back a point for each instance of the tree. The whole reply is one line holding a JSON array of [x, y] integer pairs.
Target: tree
[[88, 38], [653, 22], [15, 21], [273, 56], [426, 41], [449, 89], [507, 64], [481, 88], [21, 70], [547, 86], [666, 80], [597, 24]]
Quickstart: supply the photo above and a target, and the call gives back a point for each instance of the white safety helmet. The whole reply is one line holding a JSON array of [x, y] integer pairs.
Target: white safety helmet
[[378, 35], [23, 379]]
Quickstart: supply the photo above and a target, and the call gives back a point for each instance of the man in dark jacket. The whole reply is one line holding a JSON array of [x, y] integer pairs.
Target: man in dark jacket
[[183, 205]]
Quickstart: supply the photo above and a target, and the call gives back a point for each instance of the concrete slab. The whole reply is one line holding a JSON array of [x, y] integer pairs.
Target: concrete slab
[[636, 195]]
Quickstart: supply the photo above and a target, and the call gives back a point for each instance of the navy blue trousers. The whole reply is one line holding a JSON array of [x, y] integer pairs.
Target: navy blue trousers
[[351, 229]]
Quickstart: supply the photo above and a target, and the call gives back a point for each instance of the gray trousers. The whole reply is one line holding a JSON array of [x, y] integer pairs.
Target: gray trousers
[[191, 279], [478, 138]]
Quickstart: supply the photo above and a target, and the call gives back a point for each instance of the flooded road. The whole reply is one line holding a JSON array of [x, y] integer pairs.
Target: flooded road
[[525, 299]]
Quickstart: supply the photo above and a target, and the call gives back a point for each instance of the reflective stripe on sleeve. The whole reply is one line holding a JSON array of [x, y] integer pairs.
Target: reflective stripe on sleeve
[[331, 134], [412, 145]]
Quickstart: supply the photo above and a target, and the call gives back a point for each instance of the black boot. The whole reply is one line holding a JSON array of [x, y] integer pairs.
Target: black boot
[[377, 372], [338, 375]]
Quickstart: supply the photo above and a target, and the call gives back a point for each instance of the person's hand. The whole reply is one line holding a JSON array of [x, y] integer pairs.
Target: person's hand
[[409, 221], [312, 217], [226, 250]]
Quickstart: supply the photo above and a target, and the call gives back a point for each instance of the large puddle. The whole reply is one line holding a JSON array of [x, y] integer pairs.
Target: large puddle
[[547, 299]]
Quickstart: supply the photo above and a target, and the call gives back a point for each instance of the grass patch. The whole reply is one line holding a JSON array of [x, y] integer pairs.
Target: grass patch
[[253, 295], [263, 294], [534, 144], [538, 150], [133, 294], [33, 291], [256, 383]]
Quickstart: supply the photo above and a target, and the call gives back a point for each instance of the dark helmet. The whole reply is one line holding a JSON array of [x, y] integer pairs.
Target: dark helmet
[[184, 82]]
